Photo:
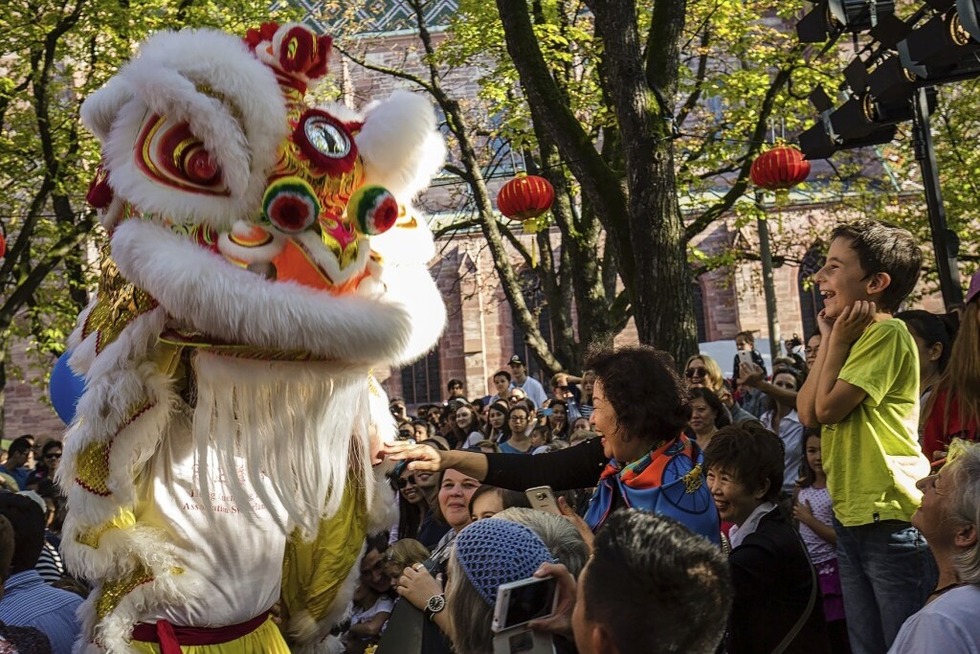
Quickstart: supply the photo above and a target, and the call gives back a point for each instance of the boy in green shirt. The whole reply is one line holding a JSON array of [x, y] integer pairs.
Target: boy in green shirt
[[863, 391]]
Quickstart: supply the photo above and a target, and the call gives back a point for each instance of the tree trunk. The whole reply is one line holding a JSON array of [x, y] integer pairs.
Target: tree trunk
[[643, 219]]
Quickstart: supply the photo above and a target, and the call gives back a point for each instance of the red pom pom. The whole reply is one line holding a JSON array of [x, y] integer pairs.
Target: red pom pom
[[290, 213], [99, 192], [266, 31]]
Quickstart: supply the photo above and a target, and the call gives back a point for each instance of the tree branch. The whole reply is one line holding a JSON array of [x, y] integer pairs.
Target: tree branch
[[737, 189]]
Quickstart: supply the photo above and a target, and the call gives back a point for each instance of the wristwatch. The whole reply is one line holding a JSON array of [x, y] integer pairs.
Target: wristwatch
[[435, 604]]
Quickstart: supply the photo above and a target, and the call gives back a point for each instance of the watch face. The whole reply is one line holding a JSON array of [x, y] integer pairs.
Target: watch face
[[436, 603]]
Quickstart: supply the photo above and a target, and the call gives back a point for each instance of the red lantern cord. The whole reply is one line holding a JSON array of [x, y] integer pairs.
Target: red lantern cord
[[780, 168]]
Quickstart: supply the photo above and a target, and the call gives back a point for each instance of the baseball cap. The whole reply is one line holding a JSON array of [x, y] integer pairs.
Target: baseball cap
[[974, 288], [516, 360]]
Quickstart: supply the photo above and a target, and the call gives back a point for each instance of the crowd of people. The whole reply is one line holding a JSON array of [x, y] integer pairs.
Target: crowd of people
[[828, 503]]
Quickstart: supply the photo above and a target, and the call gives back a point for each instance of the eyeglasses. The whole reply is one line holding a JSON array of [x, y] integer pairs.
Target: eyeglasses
[[518, 419], [53, 455], [696, 372], [405, 481]]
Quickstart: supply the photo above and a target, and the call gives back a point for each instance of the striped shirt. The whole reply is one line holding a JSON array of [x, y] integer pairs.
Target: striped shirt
[[29, 602], [50, 565]]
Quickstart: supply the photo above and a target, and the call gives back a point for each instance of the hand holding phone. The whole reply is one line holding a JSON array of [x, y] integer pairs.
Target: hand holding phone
[[543, 498], [518, 603], [521, 601]]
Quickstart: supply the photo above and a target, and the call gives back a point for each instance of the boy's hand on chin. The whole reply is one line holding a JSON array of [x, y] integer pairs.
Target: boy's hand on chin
[[853, 320], [825, 324]]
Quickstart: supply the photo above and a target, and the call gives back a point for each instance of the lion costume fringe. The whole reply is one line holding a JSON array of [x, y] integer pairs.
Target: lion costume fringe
[[264, 258]]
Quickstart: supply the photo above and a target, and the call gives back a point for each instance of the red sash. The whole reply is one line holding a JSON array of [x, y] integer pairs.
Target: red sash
[[171, 638]]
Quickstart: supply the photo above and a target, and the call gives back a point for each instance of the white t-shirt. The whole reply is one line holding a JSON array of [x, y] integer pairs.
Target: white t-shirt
[[384, 604], [474, 438], [823, 510], [236, 560], [949, 624], [535, 391]]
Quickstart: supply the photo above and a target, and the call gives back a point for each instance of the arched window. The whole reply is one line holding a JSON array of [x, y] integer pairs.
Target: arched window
[[538, 306], [421, 382], [811, 302], [697, 296]]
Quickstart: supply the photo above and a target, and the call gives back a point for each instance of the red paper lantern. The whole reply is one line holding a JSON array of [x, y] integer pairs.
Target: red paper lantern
[[525, 197], [781, 167]]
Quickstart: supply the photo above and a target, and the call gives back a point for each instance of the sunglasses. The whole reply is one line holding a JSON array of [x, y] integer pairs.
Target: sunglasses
[[695, 372], [405, 481], [53, 455]]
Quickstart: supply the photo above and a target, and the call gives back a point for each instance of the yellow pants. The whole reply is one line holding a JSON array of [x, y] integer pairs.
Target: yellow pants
[[265, 640]]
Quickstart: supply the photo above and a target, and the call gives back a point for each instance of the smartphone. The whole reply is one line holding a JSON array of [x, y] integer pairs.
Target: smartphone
[[744, 356], [521, 601], [543, 498]]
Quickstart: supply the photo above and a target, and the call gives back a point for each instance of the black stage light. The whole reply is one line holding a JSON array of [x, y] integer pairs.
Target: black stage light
[[855, 118], [941, 50], [969, 12], [890, 81], [856, 76], [816, 142], [860, 15], [820, 100], [889, 31], [817, 25]]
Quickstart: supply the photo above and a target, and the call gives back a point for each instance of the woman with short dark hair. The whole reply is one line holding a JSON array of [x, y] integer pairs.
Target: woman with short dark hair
[[708, 414]]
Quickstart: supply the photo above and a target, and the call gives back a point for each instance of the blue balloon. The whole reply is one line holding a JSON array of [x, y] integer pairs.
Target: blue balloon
[[65, 388]]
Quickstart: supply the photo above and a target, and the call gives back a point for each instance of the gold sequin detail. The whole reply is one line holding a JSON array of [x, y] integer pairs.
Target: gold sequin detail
[[118, 303], [114, 590], [693, 479], [92, 468]]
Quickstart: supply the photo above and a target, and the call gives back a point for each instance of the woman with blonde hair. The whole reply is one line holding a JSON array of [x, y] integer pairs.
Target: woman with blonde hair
[[953, 410], [703, 371]]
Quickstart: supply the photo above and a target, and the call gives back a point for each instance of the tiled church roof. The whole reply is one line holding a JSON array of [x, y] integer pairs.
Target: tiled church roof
[[378, 16]]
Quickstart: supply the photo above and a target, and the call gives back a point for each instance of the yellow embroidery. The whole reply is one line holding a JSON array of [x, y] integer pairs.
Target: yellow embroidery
[[693, 479], [91, 536]]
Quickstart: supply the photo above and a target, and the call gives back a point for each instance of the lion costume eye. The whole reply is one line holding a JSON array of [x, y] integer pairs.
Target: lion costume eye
[[169, 153], [325, 142]]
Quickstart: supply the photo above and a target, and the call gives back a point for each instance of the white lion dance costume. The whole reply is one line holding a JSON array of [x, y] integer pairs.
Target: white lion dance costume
[[264, 258]]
